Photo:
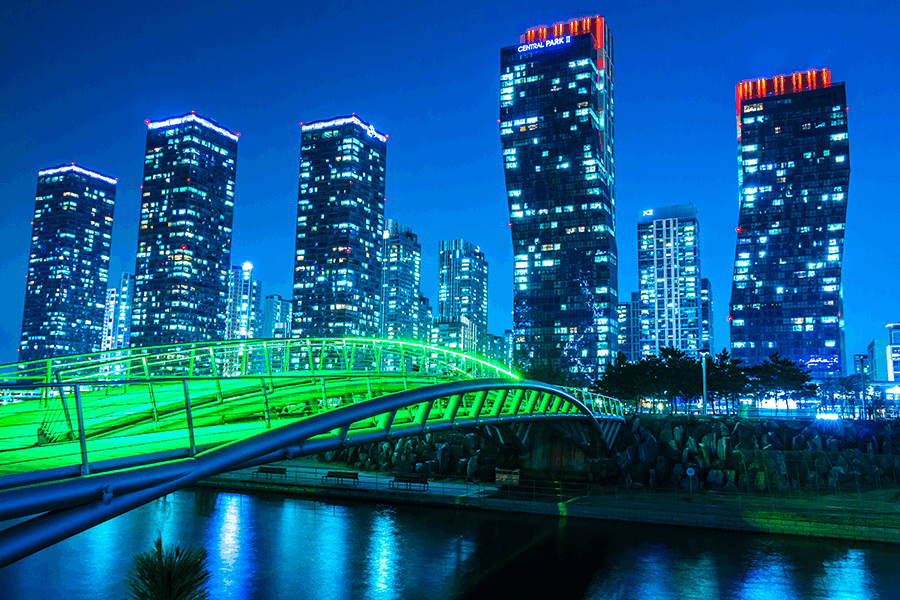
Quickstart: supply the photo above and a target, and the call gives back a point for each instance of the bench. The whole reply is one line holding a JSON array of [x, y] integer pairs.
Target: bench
[[409, 479], [269, 471], [340, 476]]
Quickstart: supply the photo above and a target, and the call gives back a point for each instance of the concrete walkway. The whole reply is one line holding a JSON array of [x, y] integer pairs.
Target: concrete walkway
[[842, 517]]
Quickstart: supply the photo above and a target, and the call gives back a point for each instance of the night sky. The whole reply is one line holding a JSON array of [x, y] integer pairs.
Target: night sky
[[79, 79]]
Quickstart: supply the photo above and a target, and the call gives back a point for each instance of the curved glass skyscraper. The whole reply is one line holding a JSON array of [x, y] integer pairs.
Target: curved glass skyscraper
[[794, 173], [557, 133]]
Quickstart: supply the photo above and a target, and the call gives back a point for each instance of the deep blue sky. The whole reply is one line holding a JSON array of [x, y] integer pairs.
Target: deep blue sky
[[79, 79]]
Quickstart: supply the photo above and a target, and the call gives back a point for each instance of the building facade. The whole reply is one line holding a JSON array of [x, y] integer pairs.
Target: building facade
[[244, 304], [629, 316], [117, 319], [340, 225], [558, 139], [669, 279], [426, 321], [400, 282], [184, 239], [793, 176], [462, 310], [68, 266], [707, 334], [276, 317]]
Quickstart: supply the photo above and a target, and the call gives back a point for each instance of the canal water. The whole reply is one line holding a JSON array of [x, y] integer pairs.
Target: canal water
[[272, 547]]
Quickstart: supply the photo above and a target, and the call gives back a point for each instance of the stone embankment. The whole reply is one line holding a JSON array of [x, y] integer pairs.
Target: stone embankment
[[732, 454], [668, 452]]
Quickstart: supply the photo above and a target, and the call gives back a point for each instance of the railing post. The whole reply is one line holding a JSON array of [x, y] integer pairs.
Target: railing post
[[85, 468], [62, 399], [190, 418], [268, 365], [262, 381], [150, 387]]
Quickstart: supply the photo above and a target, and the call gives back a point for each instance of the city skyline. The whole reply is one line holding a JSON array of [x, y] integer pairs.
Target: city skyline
[[103, 139]]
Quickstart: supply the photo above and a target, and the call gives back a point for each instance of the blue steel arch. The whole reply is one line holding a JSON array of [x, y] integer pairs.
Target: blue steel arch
[[73, 505]]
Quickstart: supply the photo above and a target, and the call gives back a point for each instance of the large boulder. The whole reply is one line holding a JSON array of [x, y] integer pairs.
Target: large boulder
[[647, 450]]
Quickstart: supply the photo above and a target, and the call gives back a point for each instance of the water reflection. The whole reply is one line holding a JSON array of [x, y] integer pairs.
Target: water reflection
[[273, 547]]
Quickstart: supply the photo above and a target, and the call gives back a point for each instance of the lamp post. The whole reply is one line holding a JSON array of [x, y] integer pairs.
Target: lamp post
[[703, 356], [862, 381]]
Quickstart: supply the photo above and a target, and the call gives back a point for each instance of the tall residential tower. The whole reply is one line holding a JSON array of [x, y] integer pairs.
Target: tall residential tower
[[557, 133], [462, 310], [793, 175], [184, 239], [340, 225], [68, 266], [669, 279], [400, 281]]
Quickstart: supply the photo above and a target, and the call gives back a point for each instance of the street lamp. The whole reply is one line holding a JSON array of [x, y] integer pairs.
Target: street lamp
[[703, 356], [862, 380]]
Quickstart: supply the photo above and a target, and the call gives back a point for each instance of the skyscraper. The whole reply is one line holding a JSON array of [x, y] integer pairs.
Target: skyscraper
[[426, 321], [669, 279], [630, 327], [793, 176], [117, 318], [400, 277], [184, 239], [340, 225], [276, 317], [557, 134], [462, 313], [244, 304], [68, 266], [707, 337]]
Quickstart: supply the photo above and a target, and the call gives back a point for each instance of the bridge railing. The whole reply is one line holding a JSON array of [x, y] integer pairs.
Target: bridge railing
[[256, 357]]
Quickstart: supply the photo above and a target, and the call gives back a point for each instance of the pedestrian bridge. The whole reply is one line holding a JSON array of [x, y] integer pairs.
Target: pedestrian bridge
[[85, 438]]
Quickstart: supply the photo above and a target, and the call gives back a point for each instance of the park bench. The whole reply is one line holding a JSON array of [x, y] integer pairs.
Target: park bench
[[340, 476], [409, 479], [269, 471]]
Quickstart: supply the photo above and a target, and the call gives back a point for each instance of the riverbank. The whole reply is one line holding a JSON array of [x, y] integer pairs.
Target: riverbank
[[869, 516]]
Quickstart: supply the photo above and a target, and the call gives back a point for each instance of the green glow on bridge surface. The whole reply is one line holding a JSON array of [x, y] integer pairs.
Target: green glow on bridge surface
[[173, 401]]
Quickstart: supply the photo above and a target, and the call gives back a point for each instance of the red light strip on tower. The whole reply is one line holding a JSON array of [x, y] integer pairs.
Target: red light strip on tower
[[774, 86]]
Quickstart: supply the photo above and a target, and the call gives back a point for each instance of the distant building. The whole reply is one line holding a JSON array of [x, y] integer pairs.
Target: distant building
[[184, 237], [426, 321], [458, 334], [117, 318], [793, 177], [629, 314], [707, 337], [68, 265], [340, 226], [462, 296], [557, 135], [495, 348], [669, 279], [877, 362], [509, 344], [244, 306], [276, 317], [400, 280]]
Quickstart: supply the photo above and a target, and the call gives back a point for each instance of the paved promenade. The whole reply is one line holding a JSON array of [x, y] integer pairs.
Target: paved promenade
[[870, 516]]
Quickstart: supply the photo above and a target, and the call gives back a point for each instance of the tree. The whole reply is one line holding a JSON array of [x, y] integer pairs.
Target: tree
[[726, 379], [169, 574], [778, 377], [679, 375]]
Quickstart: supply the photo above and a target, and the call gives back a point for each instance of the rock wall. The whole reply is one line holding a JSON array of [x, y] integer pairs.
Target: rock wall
[[674, 452], [734, 454], [452, 454]]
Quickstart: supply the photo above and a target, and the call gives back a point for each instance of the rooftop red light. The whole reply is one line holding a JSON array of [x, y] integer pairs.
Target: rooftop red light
[[781, 84], [580, 26]]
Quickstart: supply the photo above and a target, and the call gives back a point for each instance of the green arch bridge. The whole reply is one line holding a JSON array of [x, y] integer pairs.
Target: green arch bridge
[[85, 438]]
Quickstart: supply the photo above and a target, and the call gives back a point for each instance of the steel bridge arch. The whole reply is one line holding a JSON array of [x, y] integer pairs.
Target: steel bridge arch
[[78, 504]]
